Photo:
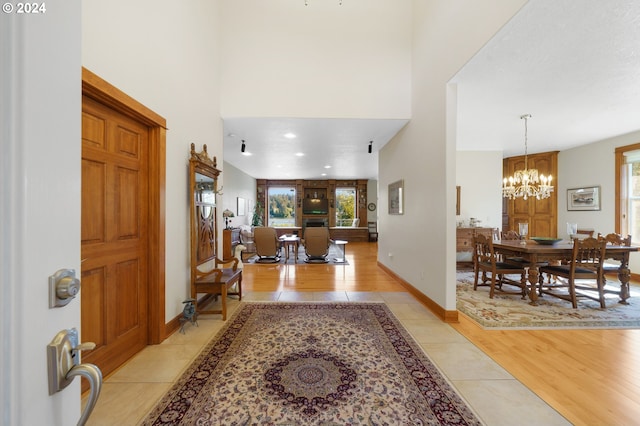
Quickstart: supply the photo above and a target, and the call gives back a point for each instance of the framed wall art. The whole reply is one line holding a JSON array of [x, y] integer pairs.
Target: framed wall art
[[586, 198], [242, 206], [396, 197]]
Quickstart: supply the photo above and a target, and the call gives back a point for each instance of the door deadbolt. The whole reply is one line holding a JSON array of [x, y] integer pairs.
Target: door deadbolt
[[63, 287]]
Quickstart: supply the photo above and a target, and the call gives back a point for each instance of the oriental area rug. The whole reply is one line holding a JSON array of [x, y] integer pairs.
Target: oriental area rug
[[312, 364], [510, 311]]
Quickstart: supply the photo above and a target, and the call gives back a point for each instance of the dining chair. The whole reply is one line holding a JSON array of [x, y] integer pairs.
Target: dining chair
[[583, 275], [494, 270], [614, 239], [510, 235]]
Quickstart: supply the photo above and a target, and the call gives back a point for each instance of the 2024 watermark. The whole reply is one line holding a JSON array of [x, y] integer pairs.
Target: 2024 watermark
[[24, 8]]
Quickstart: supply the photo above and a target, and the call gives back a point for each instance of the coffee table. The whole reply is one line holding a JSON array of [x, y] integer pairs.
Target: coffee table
[[290, 242]]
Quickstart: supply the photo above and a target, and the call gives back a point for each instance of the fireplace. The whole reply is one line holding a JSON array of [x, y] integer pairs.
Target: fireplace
[[314, 222]]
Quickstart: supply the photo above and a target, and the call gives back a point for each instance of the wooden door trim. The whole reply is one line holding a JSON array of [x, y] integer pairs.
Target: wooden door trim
[[98, 89]]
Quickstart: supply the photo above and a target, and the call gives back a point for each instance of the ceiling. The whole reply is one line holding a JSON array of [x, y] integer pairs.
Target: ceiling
[[577, 74]]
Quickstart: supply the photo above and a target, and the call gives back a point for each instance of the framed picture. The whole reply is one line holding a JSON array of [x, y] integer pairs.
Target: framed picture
[[242, 207], [396, 197], [587, 198]]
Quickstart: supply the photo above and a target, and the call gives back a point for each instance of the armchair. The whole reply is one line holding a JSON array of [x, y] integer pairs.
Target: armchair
[[316, 244], [267, 244], [247, 240]]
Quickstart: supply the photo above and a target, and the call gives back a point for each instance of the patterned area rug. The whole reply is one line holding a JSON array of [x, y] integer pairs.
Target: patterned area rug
[[511, 311], [312, 364]]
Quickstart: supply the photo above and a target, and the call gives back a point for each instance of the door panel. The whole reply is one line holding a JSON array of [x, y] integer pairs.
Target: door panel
[[540, 214], [114, 235]]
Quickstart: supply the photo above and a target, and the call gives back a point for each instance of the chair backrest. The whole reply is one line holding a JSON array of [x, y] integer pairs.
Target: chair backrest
[[510, 235], [483, 251], [317, 241], [588, 253], [616, 239], [373, 226], [266, 240], [584, 231]]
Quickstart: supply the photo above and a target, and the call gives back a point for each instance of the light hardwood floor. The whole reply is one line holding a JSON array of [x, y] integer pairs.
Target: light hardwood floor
[[591, 377]]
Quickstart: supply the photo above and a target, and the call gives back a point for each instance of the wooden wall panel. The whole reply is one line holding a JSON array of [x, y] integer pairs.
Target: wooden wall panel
[[542, 215]]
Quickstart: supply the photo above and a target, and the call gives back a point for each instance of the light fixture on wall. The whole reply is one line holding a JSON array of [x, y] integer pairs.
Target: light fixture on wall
[[370, 147], [526, 183], [243, 147]]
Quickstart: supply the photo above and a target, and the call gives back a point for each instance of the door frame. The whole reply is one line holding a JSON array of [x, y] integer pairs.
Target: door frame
[[98, 89]]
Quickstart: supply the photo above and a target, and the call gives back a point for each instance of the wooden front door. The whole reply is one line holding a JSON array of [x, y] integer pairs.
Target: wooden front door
[[115, 243]]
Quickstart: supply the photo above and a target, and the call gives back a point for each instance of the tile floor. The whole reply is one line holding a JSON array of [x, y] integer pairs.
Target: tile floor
[[496, 397]]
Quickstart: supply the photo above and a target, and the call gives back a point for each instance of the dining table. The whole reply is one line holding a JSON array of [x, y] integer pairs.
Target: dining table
[[534, 254]]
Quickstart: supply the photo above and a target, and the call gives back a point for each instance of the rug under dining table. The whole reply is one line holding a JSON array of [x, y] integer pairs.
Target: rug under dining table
[[322, 363], [509, 311]]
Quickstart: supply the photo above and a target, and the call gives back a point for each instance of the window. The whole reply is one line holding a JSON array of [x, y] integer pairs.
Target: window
[[345, 207], [628, 191], [281, 206]]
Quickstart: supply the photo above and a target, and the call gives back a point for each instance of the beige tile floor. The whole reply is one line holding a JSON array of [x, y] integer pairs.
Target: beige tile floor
[[496, 397]]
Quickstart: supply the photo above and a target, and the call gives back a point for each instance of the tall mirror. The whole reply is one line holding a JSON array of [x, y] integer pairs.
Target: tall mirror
[[203, 181]]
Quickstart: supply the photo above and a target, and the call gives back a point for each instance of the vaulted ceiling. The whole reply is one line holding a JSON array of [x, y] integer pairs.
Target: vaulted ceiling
[[574, 65]]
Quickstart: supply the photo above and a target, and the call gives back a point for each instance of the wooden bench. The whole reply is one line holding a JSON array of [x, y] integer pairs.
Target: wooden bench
[[218, 281]]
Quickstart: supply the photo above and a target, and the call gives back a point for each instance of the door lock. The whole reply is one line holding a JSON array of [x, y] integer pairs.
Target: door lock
[[63, 287]]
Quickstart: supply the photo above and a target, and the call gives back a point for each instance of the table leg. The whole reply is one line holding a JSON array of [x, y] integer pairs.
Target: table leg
[[533, 274], [295, 252], [533, 285], [624, 275]]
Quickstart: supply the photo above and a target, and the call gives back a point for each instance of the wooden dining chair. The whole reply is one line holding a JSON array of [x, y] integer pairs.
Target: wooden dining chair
[[494, 270], [583, 275], [510, 235], [614, 239]]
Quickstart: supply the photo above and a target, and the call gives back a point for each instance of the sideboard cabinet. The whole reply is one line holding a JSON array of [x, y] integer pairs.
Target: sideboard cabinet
[[464, 242]]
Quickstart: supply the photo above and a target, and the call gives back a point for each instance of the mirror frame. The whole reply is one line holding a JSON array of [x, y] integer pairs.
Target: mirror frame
[[203, 247]]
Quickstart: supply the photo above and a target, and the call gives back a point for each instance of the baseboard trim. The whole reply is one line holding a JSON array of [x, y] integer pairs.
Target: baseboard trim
[[443, 314]]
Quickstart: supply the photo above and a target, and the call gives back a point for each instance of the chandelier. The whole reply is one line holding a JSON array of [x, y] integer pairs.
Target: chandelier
[[527, 183]]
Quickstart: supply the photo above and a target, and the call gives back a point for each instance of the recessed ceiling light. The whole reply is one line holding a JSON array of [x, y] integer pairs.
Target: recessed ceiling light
[[323, 174], [289, 135], [299, 154], [327, 166], [247, 153]]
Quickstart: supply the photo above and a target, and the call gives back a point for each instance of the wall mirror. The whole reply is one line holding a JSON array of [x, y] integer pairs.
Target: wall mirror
[[203, 184]]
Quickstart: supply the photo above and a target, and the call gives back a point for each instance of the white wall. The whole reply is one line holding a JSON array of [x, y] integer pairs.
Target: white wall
[[445, 36], [596, 166], [39, 204], [164, 54], [237, 184], [284, 59], [479, 174]]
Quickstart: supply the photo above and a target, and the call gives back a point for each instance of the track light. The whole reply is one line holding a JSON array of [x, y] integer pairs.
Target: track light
[[370, 146], [243, 146]]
